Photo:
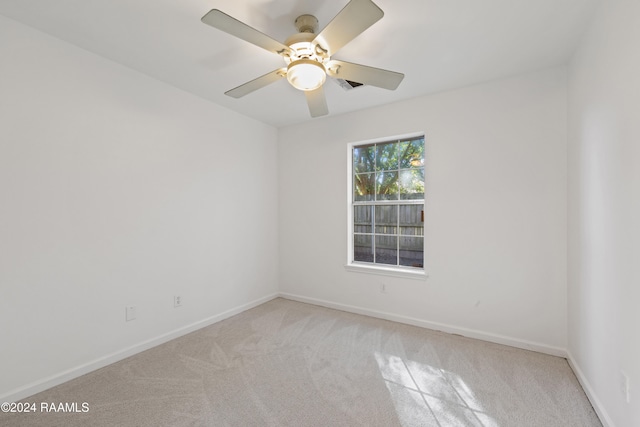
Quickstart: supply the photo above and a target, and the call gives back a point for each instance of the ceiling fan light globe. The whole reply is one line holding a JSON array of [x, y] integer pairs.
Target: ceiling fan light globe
[[306, 74]]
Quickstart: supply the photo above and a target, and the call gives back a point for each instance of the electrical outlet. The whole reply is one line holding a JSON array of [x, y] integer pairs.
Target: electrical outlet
[[177, 301], [130, 313], [625, 386]]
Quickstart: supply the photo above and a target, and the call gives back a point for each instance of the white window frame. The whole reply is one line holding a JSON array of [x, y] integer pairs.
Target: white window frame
[[379, 269]]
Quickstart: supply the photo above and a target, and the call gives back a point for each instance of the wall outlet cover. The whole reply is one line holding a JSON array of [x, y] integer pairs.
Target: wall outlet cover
[[130, 313]]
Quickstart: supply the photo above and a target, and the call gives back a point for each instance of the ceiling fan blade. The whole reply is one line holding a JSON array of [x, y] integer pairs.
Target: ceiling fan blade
[[364, 74], [256, 84], [357, 16], [317, 102], [231, 25]]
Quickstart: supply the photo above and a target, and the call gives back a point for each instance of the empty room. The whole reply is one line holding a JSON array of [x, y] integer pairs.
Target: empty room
[[320, 213]]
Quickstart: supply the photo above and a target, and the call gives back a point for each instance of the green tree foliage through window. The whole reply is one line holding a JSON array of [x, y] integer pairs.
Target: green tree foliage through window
[[389, 171]]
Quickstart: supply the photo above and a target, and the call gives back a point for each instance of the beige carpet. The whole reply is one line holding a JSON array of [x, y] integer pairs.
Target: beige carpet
[[286, 363]]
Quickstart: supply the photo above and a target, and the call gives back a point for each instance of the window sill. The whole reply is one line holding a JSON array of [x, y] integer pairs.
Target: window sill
[[387, 271]]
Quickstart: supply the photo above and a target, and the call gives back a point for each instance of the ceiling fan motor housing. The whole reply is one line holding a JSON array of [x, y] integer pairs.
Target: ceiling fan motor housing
[[302, 47]]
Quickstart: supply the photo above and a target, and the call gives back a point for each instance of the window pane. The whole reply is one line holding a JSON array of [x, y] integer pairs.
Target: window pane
[[411, 251], [362, 248], [411, 154], [364, 185], [387, 250], [364, 159], [362, 219], [386, 219], [387, 186], [411, 184], [411, 223], [387, 156]]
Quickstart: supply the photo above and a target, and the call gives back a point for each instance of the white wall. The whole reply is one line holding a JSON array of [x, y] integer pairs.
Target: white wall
[[604, 211], [116, 189], [495, 211]]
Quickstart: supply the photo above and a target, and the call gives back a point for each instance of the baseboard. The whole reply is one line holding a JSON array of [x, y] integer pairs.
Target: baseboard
[[62, 377], [470, 333], [605, 419]]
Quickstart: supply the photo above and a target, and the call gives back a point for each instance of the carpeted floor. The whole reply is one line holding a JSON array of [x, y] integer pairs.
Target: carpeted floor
[[286, 363]]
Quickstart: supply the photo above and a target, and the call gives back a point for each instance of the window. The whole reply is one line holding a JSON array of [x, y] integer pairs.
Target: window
[[386, 204]]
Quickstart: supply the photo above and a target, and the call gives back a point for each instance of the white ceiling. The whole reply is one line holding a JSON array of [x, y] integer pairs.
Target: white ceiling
[[437, 44]]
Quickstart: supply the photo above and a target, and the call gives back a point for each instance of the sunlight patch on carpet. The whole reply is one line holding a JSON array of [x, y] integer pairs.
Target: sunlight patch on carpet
[[424, 395]]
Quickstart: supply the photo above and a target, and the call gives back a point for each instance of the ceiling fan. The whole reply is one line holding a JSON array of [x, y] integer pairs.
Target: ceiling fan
[[307, 55]]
